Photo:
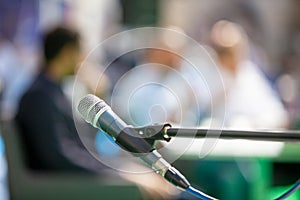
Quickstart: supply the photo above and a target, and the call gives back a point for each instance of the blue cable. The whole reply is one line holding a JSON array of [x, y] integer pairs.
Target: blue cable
[[199, 194], [293, 189]]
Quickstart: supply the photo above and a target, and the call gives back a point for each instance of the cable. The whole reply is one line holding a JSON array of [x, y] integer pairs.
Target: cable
[[199, 194], [293, 189]]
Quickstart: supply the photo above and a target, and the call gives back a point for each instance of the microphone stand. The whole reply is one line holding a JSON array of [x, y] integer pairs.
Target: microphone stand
[[166, 132]]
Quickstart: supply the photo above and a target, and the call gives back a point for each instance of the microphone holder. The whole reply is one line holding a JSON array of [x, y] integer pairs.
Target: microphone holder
[[165, 132]]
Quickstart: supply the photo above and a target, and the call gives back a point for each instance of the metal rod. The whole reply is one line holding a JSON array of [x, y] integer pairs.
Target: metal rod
[[284, 136]]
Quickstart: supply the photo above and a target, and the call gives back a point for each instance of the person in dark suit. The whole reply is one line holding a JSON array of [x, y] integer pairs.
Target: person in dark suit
[[45, 114]]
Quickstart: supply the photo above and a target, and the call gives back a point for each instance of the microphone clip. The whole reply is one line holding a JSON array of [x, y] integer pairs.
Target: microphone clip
[[154, 132], [141, 140]]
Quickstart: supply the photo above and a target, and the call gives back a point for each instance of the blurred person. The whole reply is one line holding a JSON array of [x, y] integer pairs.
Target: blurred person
[[246, 101], [18, 41], [154, 91], [45, 114], [15, 76], [250, 101], [47, 126], [9, 66]]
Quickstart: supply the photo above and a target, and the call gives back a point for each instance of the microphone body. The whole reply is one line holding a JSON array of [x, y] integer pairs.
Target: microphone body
[[96, 112]]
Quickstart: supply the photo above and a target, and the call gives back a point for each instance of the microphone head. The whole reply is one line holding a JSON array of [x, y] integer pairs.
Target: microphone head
[[89, 106]]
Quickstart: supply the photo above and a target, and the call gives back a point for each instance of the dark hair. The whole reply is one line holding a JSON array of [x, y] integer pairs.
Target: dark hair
[[56, 39]]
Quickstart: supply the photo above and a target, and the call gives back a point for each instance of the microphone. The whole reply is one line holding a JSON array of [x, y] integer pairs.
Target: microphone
[[96, 112]]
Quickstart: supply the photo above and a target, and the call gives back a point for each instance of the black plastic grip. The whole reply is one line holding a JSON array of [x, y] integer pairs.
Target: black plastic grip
[[130, 141]]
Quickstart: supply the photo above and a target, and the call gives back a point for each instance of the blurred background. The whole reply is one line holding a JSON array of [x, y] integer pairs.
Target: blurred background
[[254, 43]]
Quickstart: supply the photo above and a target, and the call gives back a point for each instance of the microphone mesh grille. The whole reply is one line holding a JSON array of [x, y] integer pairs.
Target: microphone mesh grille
[[95, 109], [89, 106]]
